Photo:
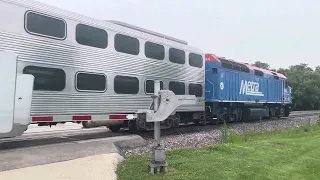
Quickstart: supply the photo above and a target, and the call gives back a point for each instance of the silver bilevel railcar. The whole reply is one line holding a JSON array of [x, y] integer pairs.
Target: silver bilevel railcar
[[89, 70]]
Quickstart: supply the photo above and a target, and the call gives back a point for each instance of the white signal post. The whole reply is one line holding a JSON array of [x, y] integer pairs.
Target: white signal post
[[164, 104], [157, 128]]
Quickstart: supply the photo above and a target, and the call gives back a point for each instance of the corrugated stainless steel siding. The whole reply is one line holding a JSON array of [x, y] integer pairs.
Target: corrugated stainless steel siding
[[72, 57]]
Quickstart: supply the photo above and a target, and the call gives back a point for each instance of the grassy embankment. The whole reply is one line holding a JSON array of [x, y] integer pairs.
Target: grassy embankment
[[286, 154]]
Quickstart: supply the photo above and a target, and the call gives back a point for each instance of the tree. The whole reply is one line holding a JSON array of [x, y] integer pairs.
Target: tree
[[306, 86], [305, 83], [261, 65]]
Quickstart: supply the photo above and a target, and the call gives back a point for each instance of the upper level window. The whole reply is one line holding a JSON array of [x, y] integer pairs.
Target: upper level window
[[195, 60], [126, 44], [91, 82], [91, 36], [150, 86], [46, 26], [154, 51], [177, 56], [47, 79]]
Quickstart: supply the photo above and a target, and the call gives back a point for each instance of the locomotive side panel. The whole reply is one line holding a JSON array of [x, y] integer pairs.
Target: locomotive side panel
[[233, 86], [274, 90]]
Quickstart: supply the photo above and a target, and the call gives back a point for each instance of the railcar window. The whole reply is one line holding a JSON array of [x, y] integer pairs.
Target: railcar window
[[177, 87], [154, 51], [126, 44], [91, 36], [195, 60], [150, 86], [177, 56], [91, 82], [42, 25], [258, 73], [195, 89], [47, 79], [126, 85]]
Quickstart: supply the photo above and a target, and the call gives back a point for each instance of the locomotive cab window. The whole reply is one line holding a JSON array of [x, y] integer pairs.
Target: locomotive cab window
[[91, 82], [195, 89], [43, 25], [287, 83], [91, 36], [177, 56], [177, 87], [195, 60], [126, 44], [149, 86], [154, 51], [47, 79], [126, 85]]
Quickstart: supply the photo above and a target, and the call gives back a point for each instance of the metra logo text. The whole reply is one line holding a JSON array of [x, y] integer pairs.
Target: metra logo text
[[250, 88]]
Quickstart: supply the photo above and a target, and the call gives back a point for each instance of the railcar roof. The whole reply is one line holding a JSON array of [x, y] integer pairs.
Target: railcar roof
[[214, 58]]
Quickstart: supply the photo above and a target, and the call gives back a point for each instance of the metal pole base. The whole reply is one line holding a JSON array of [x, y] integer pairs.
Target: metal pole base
[[158, 163]]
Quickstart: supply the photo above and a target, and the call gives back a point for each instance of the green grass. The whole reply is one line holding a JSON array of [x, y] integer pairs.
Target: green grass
[[288, 154]]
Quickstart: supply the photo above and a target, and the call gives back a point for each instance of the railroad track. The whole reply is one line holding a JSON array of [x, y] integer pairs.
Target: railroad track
[[72, 135], [191, 128]]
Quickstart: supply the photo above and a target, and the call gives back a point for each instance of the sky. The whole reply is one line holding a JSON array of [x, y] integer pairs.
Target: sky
[[278, 32]]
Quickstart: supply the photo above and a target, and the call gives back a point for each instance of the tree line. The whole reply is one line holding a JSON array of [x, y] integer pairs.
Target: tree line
[[305, 83]]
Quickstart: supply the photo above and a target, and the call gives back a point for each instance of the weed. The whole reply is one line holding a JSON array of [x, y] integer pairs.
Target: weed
[[261, 125], [245, 133]]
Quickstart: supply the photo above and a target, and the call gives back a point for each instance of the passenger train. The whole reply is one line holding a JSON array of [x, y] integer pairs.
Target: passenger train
[[99, 72]]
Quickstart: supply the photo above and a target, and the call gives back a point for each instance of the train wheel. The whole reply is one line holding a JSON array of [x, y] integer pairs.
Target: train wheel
[[85, 124], [133, 126], [169, 123], [114, 128], [203, 122], [270, 115]]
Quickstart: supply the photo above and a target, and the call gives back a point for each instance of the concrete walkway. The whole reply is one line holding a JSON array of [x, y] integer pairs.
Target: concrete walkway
[[98, 167], [94, 159]]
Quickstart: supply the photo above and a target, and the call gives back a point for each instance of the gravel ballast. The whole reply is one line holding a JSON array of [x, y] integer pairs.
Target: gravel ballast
[[212, 135]]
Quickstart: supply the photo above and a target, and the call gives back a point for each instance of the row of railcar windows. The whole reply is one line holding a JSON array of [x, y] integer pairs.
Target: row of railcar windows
[[53, 79], [52, 27]]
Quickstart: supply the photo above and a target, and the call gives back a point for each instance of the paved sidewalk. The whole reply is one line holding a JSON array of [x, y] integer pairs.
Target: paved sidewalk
[[98, 167]]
